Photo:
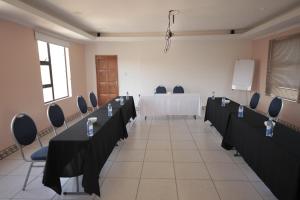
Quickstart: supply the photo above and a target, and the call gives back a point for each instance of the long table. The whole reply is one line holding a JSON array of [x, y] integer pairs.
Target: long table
[[170, 104], [73, 153], [276, 160]]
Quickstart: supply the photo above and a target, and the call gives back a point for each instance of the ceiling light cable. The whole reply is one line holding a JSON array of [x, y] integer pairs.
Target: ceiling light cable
[[169, 33]]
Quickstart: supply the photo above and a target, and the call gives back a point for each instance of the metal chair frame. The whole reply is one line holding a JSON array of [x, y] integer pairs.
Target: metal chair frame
[[32, 162]]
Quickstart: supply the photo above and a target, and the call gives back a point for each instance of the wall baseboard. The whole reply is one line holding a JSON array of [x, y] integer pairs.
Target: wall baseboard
[[13, 148]]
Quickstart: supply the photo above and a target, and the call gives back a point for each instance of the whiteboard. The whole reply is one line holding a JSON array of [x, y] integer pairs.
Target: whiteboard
[[243, 75]]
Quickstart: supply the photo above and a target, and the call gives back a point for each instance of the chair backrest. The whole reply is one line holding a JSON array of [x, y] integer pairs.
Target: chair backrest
[[23, 129], [93, 99], [81, 103], [56, 115], [178, 89], [161, 90], [275, 107], [254, 100]]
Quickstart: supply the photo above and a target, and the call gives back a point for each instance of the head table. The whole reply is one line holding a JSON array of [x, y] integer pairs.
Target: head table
[[170, 104]]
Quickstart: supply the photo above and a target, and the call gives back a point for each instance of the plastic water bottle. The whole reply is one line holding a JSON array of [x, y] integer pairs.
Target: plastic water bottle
[[109, 110], [90, 128], [127, 95], [269, 128], [223, 102], [241, 111], [121, 101], [213, 95]]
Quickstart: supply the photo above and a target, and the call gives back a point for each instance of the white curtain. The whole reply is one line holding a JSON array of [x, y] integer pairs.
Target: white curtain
[[283, 78]]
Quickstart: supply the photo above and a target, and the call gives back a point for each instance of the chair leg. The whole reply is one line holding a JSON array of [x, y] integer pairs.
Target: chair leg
[[77, 183], [237, 154], [55, 133], [77, 189], [27, 176]]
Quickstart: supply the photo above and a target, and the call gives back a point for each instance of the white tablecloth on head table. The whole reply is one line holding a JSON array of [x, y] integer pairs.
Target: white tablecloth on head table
[[170, 104]]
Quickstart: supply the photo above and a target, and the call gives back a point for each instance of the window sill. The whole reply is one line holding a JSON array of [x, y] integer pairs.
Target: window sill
[[57, 100]]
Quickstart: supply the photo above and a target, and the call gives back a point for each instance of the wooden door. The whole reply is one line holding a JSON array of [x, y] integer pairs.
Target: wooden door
[[107, 78]]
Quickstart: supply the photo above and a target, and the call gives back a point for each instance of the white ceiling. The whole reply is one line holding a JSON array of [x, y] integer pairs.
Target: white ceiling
[[151, 15], [141, 19]]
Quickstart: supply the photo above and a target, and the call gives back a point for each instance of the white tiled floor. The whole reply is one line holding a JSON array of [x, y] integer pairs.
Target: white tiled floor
[[173, 158]]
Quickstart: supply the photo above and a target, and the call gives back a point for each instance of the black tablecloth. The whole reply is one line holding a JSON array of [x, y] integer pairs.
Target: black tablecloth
[[218, 115], [276, 160], [72, 153]]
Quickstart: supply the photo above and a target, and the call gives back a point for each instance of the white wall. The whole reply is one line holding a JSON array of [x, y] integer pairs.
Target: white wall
[[200, 66]]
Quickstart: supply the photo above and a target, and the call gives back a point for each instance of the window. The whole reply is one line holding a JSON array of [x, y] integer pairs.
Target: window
[[283, 75], [55, 72]]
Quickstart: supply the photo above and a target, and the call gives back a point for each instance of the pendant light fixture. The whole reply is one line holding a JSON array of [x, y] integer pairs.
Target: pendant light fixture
[[169, 34]]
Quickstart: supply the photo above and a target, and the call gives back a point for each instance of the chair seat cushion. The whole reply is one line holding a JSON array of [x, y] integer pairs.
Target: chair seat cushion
[[40, 154]]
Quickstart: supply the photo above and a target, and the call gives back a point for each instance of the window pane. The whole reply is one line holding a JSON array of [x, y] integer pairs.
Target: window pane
[[45, 73], [43, 51], [47, 92], [59, 72]]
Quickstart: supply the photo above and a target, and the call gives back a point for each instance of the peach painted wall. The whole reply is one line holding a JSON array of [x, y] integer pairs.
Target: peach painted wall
[[20, 79], [291, 110]]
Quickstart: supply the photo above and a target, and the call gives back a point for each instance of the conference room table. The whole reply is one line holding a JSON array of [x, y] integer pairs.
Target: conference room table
[[219, 115], [276, 160], [188, 104], [72, 153]]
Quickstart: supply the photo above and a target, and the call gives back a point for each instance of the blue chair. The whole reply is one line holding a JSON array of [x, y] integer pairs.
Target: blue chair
[[25, 133], [82, 106], [161, 90], [56, 117], [178, 89], [93, 100], [275, 107], [254, 100]]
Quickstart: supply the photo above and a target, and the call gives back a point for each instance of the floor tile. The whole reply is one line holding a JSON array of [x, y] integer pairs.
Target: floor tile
[[23, 169], [159, 136], [116, 189], [36, 190], [208, 145], [158, 156], [236, 190], [196, 189], [131, 155], [159, 130], [113, 155], [158, 145], [264, 191], [135, 144], [179, 129], [191, 171], [7, 166], [249, 172], [186, 156], [225, 171], [183, 145], [158, 170], [10, 185], [125, 170], [181, 136], [215, 156], [151, 189], [105, 168], [236, 159]]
